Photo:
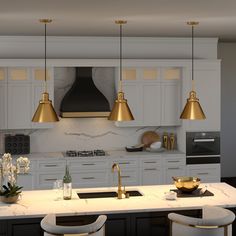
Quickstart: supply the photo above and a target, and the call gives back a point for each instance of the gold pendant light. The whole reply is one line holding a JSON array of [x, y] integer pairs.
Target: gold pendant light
[[193, 109], [120, 110], [45, 111]]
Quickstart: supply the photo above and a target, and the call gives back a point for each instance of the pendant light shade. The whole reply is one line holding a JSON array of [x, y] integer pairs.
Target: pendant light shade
[[45, 111], [192, 109], [121, 110]]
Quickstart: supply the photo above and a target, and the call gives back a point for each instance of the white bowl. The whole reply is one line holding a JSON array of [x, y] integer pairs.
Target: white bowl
[[155, 145]]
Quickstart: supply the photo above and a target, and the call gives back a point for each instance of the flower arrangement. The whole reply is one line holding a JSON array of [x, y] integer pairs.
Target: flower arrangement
[[9, 171]]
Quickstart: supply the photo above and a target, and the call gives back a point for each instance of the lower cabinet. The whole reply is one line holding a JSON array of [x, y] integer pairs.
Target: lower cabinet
[[206, 172]]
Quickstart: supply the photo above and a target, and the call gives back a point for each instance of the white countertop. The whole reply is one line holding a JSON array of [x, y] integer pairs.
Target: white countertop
[[111, 154], [40, 203]]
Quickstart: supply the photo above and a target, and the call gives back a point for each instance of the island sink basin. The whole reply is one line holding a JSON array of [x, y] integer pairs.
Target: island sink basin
[[106, 194]]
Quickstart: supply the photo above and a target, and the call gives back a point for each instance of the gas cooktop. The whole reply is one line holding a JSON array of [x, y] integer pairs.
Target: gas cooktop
[[85, 153]]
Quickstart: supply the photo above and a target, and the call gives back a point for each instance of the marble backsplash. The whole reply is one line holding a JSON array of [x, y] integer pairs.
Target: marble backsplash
[[83, 133]]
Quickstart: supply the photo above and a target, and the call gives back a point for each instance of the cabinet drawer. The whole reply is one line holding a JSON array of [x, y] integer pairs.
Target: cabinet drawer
[[151, 164], [88, 165], [45, 181], [175, 161], [51, 166], [128, 178], [125, 163], [90, 179]]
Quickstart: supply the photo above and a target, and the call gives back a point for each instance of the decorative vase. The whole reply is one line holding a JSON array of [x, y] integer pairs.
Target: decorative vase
[[9, 199]]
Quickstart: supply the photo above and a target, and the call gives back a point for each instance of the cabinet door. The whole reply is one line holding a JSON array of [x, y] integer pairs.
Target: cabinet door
[[19, 106], [173, 171], [3, 106], [207, 172], [27, 181], [171, 98], [132, 94], [207, 84], [151, 111]]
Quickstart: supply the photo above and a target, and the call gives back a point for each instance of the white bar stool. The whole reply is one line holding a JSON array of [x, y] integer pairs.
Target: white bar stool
[[215, 221], [50, 228]]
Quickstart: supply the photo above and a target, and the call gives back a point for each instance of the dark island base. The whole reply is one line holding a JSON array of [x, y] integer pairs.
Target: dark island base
[[130, 224]]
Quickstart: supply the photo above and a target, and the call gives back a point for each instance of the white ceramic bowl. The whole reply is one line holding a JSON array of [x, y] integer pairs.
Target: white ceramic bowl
[[155, 145]]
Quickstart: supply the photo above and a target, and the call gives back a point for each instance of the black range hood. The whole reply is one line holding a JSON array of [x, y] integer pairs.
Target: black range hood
[[84, 99]]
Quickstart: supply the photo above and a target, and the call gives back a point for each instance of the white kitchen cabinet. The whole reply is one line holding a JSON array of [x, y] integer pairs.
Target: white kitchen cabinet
[[171, 97], [154, 95], [207, 84], [129, 172], [20, 92], [19, 106], [174, 166], [206, 172], [26, 180], [151, 95], [151, 172]]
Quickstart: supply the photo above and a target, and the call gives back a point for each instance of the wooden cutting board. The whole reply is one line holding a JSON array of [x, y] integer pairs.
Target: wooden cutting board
[[149, 137]]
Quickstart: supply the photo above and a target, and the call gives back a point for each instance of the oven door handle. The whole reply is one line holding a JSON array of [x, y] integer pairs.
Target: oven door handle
[[203, 140], [204, 156]]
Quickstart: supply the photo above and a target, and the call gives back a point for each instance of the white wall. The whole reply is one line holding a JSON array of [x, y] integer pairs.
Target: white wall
[[227, 52]]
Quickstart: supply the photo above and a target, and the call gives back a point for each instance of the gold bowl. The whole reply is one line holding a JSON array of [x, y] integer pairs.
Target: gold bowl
[[186, 184]]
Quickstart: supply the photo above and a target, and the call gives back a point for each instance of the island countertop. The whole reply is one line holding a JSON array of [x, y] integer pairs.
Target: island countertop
[[41, 202]]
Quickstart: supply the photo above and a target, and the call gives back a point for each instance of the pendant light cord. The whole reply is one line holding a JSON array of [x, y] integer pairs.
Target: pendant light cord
[[193, 58], [45, 56], [120, 57]]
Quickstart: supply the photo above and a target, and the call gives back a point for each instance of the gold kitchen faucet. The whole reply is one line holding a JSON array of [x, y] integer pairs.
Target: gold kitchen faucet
[[120, 191]]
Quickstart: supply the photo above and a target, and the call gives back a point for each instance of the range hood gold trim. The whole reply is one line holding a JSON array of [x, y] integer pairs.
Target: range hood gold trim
[[85, 114]]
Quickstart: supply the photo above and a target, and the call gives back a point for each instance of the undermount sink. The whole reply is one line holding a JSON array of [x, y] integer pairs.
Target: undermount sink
[[106, 194]]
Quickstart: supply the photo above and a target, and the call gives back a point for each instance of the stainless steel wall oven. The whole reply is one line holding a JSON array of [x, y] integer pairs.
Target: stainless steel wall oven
[[202, 147]]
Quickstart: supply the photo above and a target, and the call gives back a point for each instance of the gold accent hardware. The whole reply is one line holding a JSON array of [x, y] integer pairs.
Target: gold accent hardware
[[119, 191], [192, 109], [45, 111], [120, 110], [121, 22], [45, 21], [84, 114]]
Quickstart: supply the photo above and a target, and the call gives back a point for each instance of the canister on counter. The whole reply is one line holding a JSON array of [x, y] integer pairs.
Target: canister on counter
[[165, 140], [172, 141]]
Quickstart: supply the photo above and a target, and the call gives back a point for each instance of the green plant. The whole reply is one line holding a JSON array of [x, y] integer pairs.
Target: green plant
[[10, 190]]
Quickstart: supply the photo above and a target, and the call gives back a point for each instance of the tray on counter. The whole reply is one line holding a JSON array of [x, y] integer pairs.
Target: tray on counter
[[196, 193]]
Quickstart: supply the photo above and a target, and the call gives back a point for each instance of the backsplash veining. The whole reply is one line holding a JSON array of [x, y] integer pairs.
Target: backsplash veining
[[83, 133]]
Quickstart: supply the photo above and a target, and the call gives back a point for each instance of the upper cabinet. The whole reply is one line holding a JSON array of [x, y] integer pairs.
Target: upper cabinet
[[153, 94], [207, 85], [20, 92]]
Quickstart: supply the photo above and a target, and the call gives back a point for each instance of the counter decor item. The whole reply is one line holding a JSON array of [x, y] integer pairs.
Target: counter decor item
[[17, 144], [135, 148], [9, 191], [186, 184], [169, 141], [149, 137], [67, 184]]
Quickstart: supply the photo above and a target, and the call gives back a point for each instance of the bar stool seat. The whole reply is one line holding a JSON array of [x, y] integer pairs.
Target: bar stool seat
[[50, 228], [215, 221]]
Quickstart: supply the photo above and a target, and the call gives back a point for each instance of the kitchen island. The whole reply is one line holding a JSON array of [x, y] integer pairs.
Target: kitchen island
[[139, 215]]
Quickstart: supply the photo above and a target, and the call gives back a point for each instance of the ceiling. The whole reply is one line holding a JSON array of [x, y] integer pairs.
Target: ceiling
[[151, 18]]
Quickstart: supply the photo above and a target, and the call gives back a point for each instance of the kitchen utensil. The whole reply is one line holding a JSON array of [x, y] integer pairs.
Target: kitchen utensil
[[155, 145], [136, 148], [149, 137], [186, 184]]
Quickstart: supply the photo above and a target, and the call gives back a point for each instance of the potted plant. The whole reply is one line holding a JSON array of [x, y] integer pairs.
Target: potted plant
[[10, 193]]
